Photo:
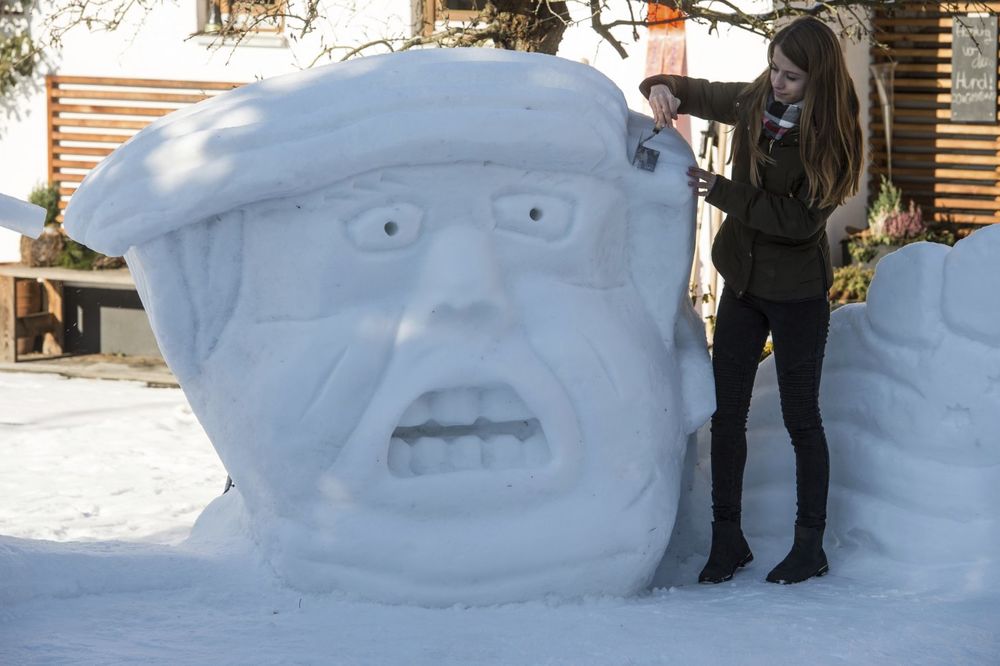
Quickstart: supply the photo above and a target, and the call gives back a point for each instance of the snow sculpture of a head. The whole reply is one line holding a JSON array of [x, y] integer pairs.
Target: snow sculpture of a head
[[434, 322]]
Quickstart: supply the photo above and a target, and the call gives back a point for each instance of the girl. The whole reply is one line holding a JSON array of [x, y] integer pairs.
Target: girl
[[796, 157]]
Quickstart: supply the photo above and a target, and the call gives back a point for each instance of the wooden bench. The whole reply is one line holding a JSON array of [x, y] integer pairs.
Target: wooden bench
[[45, 317]]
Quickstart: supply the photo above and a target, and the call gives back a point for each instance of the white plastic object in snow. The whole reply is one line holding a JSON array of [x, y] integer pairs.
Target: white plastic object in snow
[[21, 216]]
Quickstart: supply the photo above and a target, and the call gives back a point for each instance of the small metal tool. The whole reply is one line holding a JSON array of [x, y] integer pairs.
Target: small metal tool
[[645, 158]]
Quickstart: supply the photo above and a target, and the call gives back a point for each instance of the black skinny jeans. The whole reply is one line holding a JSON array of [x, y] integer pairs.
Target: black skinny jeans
[[798, 331]]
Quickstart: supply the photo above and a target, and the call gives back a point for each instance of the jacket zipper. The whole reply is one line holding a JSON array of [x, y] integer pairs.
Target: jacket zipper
[[739, 293]]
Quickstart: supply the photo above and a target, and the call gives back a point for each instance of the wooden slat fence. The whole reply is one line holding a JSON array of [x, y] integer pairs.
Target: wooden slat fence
[[88, 117], [951, 169]]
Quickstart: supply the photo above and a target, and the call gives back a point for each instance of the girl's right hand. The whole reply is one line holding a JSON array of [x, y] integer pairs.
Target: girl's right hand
[[664, 105]]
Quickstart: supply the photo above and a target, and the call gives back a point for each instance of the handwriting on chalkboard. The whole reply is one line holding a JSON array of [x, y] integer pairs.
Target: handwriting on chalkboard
[[974, 69]]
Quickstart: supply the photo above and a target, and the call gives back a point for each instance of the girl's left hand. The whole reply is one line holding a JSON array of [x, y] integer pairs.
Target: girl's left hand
[[701, 181]]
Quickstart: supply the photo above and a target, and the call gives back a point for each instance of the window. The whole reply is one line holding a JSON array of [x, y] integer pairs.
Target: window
[[251, 16], [12, 7], [442, 11]]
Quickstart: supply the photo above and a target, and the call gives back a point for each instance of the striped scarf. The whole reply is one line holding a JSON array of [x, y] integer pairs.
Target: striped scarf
[[779, 118]]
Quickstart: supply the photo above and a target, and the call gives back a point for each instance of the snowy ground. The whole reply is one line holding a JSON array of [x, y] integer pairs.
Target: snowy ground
[[101, 483]]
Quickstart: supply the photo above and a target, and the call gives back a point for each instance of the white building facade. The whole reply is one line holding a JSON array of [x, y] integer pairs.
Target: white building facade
[[171, 42]]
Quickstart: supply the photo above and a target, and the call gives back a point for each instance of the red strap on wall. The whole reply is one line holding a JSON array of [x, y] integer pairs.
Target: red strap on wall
[[666, 51]]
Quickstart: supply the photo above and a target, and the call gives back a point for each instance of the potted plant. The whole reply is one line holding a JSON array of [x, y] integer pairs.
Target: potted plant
[[890, 226], [45, 250], [850, 284], [53, 248]]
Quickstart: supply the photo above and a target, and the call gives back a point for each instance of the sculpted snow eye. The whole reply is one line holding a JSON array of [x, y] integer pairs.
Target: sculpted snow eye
[[386, 227], [535, 215]]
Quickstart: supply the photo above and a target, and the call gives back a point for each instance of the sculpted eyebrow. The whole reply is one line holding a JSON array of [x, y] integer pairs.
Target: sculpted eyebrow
[[366, 189]]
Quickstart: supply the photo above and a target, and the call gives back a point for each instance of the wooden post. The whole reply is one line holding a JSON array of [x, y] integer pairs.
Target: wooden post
[[8, 320], [51, 90], [53, 342]]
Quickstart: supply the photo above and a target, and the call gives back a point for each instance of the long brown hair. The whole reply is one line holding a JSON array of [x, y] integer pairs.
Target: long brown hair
[[829, 130]]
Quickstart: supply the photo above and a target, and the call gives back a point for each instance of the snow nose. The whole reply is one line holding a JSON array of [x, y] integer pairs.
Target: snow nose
[[461, 280]]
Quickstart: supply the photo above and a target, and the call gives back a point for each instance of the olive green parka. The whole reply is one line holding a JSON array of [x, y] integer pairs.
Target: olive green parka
[[773, 242]]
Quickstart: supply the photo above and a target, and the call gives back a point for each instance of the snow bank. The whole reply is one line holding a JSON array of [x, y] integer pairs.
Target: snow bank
[[910, 398], [211, 601]]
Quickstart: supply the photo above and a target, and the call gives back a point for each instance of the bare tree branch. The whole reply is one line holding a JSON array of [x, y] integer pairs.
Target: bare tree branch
[[529, 25], [603, 30]]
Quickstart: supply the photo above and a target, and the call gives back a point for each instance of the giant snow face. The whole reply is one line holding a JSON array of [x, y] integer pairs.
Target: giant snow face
[[466, 375], [448, 388]]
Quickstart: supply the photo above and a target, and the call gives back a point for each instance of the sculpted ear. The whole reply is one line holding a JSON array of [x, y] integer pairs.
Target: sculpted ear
[[698, 393], [661, 223]]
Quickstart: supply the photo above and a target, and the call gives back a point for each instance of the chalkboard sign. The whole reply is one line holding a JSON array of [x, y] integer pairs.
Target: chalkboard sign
[[974, 69]]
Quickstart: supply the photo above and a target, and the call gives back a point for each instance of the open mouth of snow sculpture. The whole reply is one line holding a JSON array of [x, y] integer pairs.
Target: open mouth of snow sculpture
[[467, 428]]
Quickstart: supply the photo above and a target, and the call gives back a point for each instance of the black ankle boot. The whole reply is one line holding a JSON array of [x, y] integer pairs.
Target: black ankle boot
[[805, 560], [730, 551]]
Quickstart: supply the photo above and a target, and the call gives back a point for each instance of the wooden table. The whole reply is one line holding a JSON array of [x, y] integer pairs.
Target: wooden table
[[48, 319]]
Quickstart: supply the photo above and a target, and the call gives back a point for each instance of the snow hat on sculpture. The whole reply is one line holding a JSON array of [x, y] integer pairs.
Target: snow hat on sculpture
[[434, 322]]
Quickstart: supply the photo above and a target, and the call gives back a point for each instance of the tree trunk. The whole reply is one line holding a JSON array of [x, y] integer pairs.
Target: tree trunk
[[527, 25]]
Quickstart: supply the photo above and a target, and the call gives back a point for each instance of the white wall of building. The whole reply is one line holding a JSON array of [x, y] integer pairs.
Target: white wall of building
[[854, 212], [161, 46]]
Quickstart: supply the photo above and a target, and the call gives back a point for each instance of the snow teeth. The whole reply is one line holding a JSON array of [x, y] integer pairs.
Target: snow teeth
[[417, 413], [399, 457], [430, 456], [466, 429], [503, 452], [466, 453], [459, 407], [536, 450], [502, 404]]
